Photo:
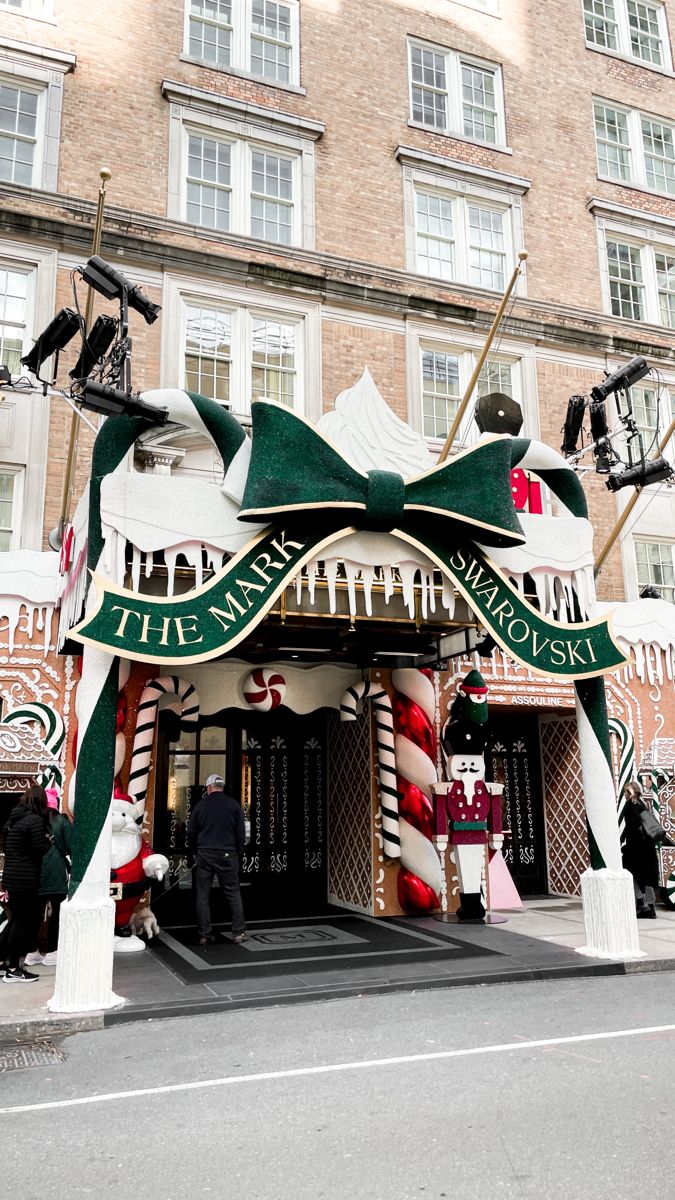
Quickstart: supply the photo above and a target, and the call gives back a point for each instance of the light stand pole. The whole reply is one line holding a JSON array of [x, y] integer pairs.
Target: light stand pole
[[57, 535], [464, 402]]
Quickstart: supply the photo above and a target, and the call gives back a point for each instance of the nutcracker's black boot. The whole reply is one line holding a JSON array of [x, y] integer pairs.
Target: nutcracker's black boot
[[470, 907]]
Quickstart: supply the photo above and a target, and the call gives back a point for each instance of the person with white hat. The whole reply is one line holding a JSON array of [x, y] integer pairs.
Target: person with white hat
[[216, 835]]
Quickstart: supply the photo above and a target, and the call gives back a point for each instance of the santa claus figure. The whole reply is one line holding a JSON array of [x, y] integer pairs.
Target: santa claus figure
[[133, 864]]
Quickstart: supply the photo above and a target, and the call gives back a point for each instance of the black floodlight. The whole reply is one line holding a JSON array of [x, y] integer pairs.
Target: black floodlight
[[5, 376], [654, 470], [112, 284], [96, 346], [650, 593], [61, 329], [622, 379], [499, 413], [111, 402], [576, 406], [604, 455]]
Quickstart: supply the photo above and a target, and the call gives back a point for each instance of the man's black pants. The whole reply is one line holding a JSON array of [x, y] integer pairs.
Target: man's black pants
[[224, 864]]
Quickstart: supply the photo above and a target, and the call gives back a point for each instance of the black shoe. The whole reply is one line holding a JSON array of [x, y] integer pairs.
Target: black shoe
[[19, 975], [643, 911], [240, 937], [207, 939]]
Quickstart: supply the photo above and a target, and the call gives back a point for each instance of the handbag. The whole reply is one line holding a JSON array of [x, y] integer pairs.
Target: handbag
[[652, 827]]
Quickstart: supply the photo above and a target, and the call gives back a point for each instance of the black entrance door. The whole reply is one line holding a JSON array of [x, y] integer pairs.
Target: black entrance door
[[512, 758], [275, 765]]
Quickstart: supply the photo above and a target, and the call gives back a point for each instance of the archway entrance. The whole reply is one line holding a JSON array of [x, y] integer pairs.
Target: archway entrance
[[276, 766]]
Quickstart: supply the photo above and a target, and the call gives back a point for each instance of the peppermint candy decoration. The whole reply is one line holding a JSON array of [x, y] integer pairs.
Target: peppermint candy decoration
[[264, 690]]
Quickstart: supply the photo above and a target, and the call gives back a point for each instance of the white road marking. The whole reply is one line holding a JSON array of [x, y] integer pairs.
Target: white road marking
[[332, 1068]]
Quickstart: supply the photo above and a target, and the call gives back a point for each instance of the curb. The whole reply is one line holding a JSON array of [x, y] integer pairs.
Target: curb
[[29, 1029]]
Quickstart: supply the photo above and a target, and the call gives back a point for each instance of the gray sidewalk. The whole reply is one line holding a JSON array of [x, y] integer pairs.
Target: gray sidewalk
[[537, 943]]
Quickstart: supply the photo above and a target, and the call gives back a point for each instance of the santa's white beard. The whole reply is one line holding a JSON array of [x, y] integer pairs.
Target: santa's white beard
[[125, 846]]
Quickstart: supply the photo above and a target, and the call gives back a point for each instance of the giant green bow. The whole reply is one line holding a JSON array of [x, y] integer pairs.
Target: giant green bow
[[295, 469]]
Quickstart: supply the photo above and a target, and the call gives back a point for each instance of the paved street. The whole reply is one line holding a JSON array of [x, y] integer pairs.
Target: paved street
[[300, 1102]]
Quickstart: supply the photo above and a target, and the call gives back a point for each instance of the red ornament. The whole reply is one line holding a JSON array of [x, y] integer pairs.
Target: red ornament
[[416, 807], [414, 724], [121, 712], [414, 894]]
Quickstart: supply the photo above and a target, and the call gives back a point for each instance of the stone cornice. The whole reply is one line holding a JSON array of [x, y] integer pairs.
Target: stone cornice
[[56, 60], [324, 278], [410, 157], [200, 100]]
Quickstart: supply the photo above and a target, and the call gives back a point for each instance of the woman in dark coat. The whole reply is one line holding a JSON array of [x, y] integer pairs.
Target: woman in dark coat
[[27, 840], [53, 882], [639, 853]]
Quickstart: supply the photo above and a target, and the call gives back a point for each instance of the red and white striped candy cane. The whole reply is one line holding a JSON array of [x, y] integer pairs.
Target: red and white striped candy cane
[[386, 761], [419, 880], [141, 755]]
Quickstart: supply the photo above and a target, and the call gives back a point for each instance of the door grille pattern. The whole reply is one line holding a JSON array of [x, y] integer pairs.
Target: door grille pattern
[[566, 831], [350, 872]]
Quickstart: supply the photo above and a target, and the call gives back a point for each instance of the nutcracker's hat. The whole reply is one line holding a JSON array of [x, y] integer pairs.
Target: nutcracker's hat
[[473, 684], [464, 737]]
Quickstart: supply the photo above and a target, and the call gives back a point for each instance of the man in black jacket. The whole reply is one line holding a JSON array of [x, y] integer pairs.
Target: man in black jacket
[[216, 835]]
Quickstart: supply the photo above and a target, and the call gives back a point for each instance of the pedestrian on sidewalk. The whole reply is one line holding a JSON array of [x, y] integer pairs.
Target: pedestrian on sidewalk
[[53, 880], [639, 853], [216, 836], [27, 840]]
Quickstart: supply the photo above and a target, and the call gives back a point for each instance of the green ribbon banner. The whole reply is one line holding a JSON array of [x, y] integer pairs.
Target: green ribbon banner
[[212, 620]]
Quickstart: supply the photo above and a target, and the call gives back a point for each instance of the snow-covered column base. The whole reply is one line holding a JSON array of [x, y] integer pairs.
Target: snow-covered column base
[[84, 978], [609, 915]]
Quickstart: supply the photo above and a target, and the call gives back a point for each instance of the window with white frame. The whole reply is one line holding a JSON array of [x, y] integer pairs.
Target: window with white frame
[[445, 373], [238, 187], [11, 480], [239, 354], [31, 101], [258, 37], [461, 239], [30, 8], [20, 131], [641, 280], [456, 94], [632, 28], [656, 567], [15, 286], [634, 147]]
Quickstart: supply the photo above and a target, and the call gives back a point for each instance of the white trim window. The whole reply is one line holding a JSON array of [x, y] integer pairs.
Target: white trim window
[[31, 101], [11, 496], [456, 94], [256, 37], [444, 373], [238, 187], [631, 28], [655, 563], [21, 131], [16, 304], [634, 147], [462, 239], [236, 346], [38, 9], [640, 280]]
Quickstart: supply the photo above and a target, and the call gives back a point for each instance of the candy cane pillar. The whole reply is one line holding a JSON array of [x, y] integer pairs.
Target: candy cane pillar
[[606, 889], [419, 880]]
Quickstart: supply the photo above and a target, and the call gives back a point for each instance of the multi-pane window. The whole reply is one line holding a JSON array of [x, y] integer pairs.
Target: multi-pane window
[[209, 182], [237, 187], [626, 283], [641, 281], [655, 567], [13, 316], [612, 140], [237, 355], [458, 238], [630, 27], [208, 352], [210, 31], [260, 37], [8, 505], [440, 392], [272, 197], [634, 147], [456, 95], [495, 376], [273, 361], [18, 133]]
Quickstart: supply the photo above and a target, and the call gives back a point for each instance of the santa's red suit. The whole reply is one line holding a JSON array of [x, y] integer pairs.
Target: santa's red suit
[[134, 883]]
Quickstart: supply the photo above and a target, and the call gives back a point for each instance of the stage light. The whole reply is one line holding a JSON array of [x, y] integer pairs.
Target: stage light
[[576, 406], [111, 402], [654, 470], [5, 376], [604, 455], [499, 413], [112, 284], [61, 329], [96, 346], [650, 593], [622, 379]]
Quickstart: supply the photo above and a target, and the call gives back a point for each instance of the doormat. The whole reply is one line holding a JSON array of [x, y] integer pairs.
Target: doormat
[[304, 945]]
